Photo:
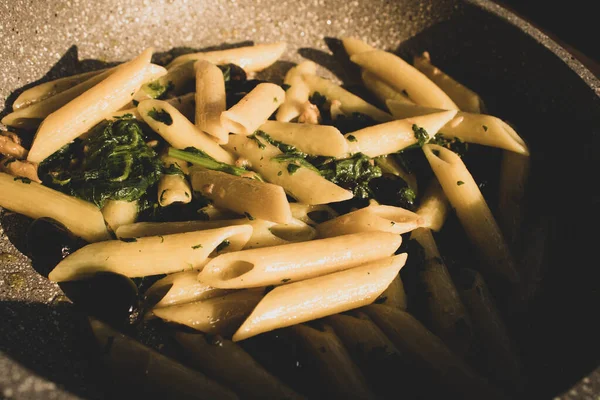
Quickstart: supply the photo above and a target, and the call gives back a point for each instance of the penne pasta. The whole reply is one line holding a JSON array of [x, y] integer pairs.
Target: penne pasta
[[297, 261], [177, 80], [21, 169], [318, 140], [312, 215], [11, 147], [250, 58], [216, 315], [391, 137], [185, 104], [48, 89], [150, 255], [472, 128], [404, 78], [179, 288], [495, 351], [304, 184], [374, 218], [178, 131], [434, 206], [394, 295], [173, 186], [151, 373], [466, 99], [350, 102], [340, 377], [296, 96], [210, 100], [33, 200], [472, 211], [514, 173], [427, 351], [240, 195], [446, 313], [91, 107], [382, 90], [227, 362], [253, 109], [321, 296], [354, 46], [119, 212]]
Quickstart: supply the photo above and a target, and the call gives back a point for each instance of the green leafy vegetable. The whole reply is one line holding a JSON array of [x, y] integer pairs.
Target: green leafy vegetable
[[198, 246], [294, 159], [156, 89], [23, 179], [112, 163], [292, 168], [455, 144], [260, 144], [161, 116], [202, 159], [353, 174], [284, 148], [459, 183], [128, 240], [420, 134]]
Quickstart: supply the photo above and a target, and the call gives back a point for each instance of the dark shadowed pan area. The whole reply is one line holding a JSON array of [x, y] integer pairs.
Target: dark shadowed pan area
[[523, 77]]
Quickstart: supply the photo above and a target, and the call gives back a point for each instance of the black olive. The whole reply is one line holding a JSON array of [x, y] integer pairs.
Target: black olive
[[110, 297], [48, 242], [393, 191]]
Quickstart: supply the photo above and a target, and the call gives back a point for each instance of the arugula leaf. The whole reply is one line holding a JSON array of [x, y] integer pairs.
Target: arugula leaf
[[161, 116], [284, 148], [353, 173], [294, 159], [199, 157], [156, 89]]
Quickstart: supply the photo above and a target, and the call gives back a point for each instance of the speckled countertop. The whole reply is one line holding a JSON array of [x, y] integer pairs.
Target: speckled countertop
[[47, 39]]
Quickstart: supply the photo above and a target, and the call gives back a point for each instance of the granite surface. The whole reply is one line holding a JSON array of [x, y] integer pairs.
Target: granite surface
[[42, 353]]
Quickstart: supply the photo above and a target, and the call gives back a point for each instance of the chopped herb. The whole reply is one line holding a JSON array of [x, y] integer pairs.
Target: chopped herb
[[155, 89], [485, 128], [351, 138], [198, 157], [275, 99], [23, 179], [250, 217], [223, 245], [381, 299], [459, 183], [198, 246], [260, 144], [128, 240], [420, 134], [162, 239], [161, 116], [392, 223], [187, 195], [295, 160], [279, 173], [455, 144], [173, 169], [284, 280], [292, 168]]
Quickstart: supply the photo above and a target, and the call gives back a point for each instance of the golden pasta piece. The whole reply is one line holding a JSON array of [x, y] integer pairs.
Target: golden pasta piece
[[322, 296], [177, 80], [382, 90], [251, 58], [297, 261], [354, 46], [404, 78], [36, 201], [149, 255], [253, 109], [179, 288], [217, 315], [312, 215], [119, 212], [434, 206], [296, 96], [318, 140], [210, 100], [391, 137], [240, 195], [371, 219]]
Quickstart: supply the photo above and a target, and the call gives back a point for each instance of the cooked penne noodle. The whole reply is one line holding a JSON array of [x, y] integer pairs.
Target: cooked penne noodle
[[178, 131], [514, 173], [185, 104], [179, 288], [473, 128], [253, 109], [227, 362], [48, 89], [340, 377], [151, 373], [434, 206], [318, 140], [177, 80], [394, 295], [91, 107], [305, 185], [36, 201], [496, 352], [466, 99], [240, 195], [354, 46], [210, 100], [320, 213], [296, 96], [173, 188], [321, 296], [472, 211], [297, 261], [429, 352], [212, 213], [119, 212], [404, 78], [251, 58], [216, 315], [21, 169], [149, 255], [370, 219], [382, 90], [350, 102], [391, 137], [10, 147], [447, 315]]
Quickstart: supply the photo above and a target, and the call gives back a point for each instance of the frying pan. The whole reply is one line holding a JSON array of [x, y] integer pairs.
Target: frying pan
[[523, 76]]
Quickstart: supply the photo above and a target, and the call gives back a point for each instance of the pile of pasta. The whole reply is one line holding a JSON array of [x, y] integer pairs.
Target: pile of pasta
[[261, 261]]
